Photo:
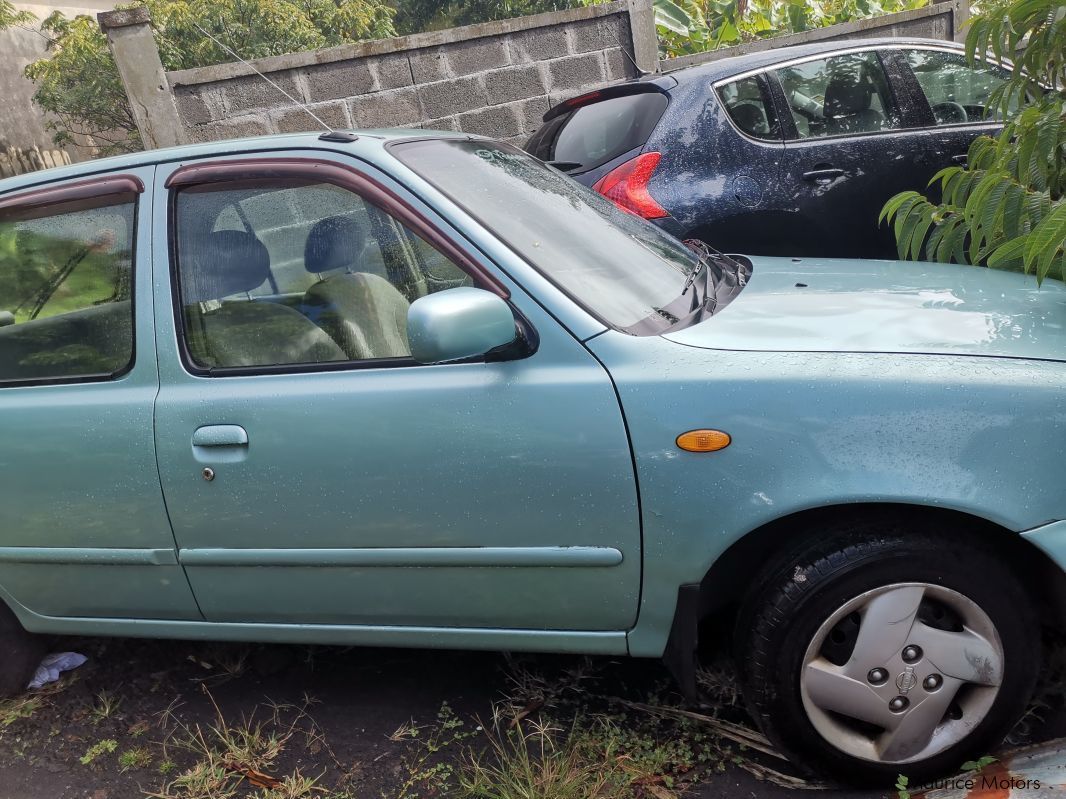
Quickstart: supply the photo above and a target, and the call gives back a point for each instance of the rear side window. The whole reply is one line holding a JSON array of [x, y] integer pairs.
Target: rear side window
[[591, 135], [748, 104], [66, 282]]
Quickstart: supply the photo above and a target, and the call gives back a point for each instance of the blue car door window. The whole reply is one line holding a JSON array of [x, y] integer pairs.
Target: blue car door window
[[842, 95], [957, 92]]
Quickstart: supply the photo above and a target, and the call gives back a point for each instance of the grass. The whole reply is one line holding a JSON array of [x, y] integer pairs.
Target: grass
[[133, 759], [20, 707], [230, 758], [104, 707], [98, 750]]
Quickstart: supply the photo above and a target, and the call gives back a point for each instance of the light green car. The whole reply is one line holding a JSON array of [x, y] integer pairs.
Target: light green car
[[412, 389]]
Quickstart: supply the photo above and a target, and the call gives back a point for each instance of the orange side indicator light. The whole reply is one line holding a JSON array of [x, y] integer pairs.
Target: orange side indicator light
[[703, 440]]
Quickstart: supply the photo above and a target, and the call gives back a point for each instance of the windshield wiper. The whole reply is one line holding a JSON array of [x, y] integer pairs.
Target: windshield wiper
[[691, 277], [565, 166]]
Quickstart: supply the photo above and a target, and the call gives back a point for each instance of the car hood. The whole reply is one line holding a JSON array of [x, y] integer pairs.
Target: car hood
[[812, 305]]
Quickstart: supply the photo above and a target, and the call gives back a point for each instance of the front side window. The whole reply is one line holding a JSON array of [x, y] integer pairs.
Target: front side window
[[957, 92], [290, 273], [626, 271], [748, 105], [838, 96], [66, 287]]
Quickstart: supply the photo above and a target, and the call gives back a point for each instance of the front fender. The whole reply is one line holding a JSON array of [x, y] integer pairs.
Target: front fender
[[982, 436]]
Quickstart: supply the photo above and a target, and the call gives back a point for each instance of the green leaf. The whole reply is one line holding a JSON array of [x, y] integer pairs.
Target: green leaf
[[892, 206], [671, 16], [1045, 242], [921, 230]]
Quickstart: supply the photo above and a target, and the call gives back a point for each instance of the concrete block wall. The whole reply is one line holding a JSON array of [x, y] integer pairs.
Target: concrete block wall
[[496, 79]]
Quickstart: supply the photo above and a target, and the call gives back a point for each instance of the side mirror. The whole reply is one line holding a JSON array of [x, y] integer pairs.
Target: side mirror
[[458, 323]]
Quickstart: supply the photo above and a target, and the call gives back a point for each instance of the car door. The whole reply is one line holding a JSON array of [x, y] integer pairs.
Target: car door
[[315, 474], [83, 527], [954, 98], [851, 142], [721, 168]]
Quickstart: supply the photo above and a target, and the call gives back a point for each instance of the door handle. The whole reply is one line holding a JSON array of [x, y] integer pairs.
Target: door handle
[[959, 159], [826, 173], [220, 435]]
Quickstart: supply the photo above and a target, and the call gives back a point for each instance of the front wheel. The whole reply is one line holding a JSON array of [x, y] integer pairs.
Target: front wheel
[[872, 654]]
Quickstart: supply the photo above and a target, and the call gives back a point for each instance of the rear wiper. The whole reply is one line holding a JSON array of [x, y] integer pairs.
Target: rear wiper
[[565, 166]]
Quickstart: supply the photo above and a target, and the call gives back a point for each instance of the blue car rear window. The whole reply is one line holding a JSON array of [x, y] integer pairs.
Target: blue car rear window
[[591, 135]]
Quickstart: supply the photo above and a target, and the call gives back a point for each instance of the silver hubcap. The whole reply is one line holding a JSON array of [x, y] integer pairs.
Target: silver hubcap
[[924, 668]]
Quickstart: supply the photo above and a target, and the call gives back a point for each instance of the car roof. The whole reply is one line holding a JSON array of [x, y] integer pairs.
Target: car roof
[[729, 66], [367, 143]]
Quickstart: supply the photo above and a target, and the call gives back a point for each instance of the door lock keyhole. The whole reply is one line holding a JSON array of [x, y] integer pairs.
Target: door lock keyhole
[[209, 474]]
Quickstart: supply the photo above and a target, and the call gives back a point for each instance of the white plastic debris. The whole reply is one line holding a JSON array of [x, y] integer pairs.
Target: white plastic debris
[[53, 665]]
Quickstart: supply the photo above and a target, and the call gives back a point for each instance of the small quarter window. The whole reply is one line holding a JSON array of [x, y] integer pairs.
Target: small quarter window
[[748, 105], [66, 287]]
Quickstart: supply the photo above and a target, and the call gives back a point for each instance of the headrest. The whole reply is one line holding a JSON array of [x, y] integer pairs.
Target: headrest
[[750, 118], [227, 262], [847, 93], [334, 243]]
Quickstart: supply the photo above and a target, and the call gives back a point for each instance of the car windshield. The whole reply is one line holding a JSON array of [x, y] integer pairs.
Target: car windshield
[[625, 271]]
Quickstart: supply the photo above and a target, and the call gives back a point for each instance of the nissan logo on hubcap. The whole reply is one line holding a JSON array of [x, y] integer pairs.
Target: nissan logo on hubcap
[[906, 680]]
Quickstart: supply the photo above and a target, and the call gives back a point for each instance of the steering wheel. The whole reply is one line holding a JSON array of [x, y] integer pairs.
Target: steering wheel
[[950, 113]]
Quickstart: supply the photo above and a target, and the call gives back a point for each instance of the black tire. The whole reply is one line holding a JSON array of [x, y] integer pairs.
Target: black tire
[[794, 596], [20, 654]]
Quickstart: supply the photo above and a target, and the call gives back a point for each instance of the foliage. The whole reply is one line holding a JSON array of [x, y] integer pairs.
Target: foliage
[[98, 749], [413, 16], [693, 26], [10, 17], [79, 82], [1005, 208]]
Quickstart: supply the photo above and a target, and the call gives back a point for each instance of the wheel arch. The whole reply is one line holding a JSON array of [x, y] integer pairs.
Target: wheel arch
[[707, 610], [726, 581]]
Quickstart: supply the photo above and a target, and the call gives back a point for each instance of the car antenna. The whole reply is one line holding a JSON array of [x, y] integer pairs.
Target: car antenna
[[640, 72], [302, 106]]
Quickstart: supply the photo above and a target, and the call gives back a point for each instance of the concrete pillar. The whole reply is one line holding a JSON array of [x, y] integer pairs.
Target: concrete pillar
[[129, 36], [960, 15], [645, 39]]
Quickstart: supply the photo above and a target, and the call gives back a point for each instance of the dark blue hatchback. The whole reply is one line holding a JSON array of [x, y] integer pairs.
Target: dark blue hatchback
[[784, 152]]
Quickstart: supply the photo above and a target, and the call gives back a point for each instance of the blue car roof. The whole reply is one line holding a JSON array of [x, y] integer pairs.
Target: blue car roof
[[735, 65]]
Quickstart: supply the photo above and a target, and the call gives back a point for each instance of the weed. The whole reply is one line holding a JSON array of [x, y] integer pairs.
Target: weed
[[293, 786], [134, 759], [166, 765], [977, 765], [98, 749], [104, 707], [229, 754], [21, 707], [902, 781], [527, 760], [426, 769]]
